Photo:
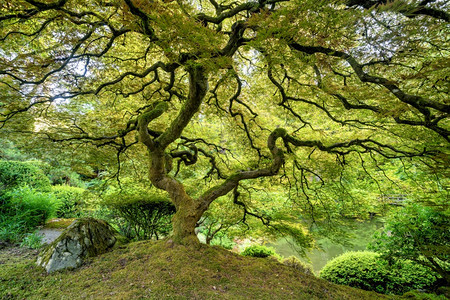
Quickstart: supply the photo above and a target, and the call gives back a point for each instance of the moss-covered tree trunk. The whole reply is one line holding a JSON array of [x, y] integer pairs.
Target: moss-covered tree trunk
[[189, 210]]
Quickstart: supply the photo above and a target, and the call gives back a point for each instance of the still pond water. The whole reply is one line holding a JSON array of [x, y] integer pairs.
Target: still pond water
[[361, 232]]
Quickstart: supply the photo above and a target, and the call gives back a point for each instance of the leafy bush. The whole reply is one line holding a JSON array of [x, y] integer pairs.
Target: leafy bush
[[70, 201], [369, 271], [16, 174], [32, 240], [258, 251], [297, 264], [12, 228], [362, 270], [418, 233], [34, 207], [22, 210], [223, 240], [140, 214], [407, 275]]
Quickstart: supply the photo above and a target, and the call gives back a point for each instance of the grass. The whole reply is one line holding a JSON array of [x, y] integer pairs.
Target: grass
[[161, 270]]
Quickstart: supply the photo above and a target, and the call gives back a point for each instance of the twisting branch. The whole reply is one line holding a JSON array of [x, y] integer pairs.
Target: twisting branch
[[233, 180], [408, 11], [146, 28], [418, 102], [153, 112], [264, 220]]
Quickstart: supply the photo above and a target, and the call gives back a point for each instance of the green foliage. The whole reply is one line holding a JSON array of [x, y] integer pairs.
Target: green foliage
[[35, 207], [223, 240], [357, 269], [418, 233], [63, 175], [258, 251], [407, 275], [139, 213], [32, 240], [15, 174], [369, 271], [23, 210], [12, 228], [70, 201], [297, 264], [8, 151]]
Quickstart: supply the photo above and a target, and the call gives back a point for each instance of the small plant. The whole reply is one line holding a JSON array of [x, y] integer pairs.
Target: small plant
[[223, 240], [32, 240], [258, 251], [22, 210], [12, 228]]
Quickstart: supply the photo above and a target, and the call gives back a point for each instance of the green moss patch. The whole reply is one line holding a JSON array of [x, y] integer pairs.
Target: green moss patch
[[162, 270], [58, 223]]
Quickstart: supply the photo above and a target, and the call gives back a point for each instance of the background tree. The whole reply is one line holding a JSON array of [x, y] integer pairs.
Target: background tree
[[209, 90], [418, 233]]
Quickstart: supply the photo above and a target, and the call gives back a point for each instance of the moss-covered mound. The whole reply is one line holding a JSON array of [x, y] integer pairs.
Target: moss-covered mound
[[161, 270]]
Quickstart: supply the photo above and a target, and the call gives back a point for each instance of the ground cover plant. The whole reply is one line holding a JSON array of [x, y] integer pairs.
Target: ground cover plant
[[140, 213]]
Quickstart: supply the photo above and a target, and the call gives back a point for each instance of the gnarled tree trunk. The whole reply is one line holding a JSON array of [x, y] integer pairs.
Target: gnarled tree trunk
[[189, 210]]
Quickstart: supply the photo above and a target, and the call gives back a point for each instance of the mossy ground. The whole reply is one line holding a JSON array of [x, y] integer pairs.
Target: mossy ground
[[58, 223], [161, 270]]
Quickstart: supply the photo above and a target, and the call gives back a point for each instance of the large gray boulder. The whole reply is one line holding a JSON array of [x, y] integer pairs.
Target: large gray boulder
[[86, 237]]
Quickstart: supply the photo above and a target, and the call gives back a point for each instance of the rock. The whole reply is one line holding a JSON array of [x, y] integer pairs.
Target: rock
[[86, 237]]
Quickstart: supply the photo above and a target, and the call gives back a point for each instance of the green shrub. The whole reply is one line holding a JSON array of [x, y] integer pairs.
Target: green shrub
[[32, 240], [362, 270], [16, 174], [419, 233], [32, 206], [140, 214], [12, 228], [222, 240], [258, 251], [297, 264], [70, 201], [369, 271], [407, 275]]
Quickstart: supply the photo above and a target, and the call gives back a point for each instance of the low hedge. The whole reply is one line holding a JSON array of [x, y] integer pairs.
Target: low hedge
[[368, 271]]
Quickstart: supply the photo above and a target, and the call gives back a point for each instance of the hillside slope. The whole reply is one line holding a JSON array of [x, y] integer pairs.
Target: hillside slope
[[161, 270]]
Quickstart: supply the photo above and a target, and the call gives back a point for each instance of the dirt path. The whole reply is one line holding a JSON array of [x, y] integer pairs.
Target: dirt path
[[49, 235]]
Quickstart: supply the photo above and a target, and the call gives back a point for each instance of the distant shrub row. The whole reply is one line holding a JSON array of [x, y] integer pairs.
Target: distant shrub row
[[28, 200]]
